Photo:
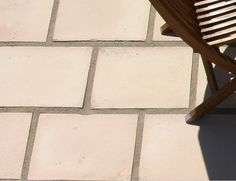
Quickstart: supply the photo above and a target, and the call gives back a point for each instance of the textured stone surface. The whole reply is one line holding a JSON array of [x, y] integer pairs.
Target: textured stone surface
[[142, 78], [171, 150], [14, 129], [102, 20], [94, 147], [25, 20], [36, 76]]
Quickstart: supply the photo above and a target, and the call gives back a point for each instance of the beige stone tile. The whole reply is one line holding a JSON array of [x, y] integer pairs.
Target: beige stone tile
[[203, 90], [157, 33], [37, 76], [84, 147], [14, 131], [171, 150], [142, 78], [24, 20], [102, 20]]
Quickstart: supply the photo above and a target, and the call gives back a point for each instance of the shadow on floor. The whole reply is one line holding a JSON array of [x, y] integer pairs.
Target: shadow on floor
[[217, 137], [217, 134]]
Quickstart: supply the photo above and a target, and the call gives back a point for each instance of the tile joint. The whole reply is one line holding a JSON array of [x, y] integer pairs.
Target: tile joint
[[30, 145], [138, 147], [193, 83], [151, 24], [90, 79], [52, 21]]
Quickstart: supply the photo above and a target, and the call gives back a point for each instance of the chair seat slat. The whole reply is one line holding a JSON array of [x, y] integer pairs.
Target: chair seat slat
[[219, 26], [205, 2], [220, 33], [218, 23], [215, 6], [223, 40], [218, 19], [217, 12]]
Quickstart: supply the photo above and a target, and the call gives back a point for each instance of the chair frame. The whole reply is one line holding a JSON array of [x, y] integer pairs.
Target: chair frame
[[210, 54]]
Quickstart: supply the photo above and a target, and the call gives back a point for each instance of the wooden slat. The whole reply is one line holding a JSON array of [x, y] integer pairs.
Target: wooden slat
[[223, 40], [215, 6], [217, 12], [218, 19], [222, 27], [220, 33], [205, 2], [218, 26]]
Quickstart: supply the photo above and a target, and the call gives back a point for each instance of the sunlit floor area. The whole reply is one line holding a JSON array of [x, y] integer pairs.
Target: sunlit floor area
[[91, 90]]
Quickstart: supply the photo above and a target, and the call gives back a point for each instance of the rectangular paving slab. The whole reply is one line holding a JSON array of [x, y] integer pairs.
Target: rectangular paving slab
[[25, 20], [14, 130], [84, 147], [135, 77], [38, 76]]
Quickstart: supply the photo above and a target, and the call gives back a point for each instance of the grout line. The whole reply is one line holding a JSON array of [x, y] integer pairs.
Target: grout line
[[10, 179], [151, 24], [193, 84], [76, 110], [51, 180], [96, 44], [29, 147], [71, 180], [138, 148], [90, 79], [53, 21]]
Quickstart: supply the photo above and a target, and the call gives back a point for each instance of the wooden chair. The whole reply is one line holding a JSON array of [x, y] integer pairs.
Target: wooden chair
[[204, 25]]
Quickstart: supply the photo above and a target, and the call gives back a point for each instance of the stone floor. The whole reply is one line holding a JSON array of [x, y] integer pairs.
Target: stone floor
[[90, 90]]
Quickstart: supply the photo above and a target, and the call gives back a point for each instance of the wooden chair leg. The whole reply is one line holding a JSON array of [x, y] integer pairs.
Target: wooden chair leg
[[210, 75], [211, 102]]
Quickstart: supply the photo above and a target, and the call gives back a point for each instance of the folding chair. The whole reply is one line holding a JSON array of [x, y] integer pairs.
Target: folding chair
[[203, 25]]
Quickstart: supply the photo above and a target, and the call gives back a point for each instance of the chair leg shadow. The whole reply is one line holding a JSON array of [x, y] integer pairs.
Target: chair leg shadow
[[217, 133]]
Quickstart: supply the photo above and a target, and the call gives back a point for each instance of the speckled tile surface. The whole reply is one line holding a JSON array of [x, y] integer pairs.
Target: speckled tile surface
[[90, 90]]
